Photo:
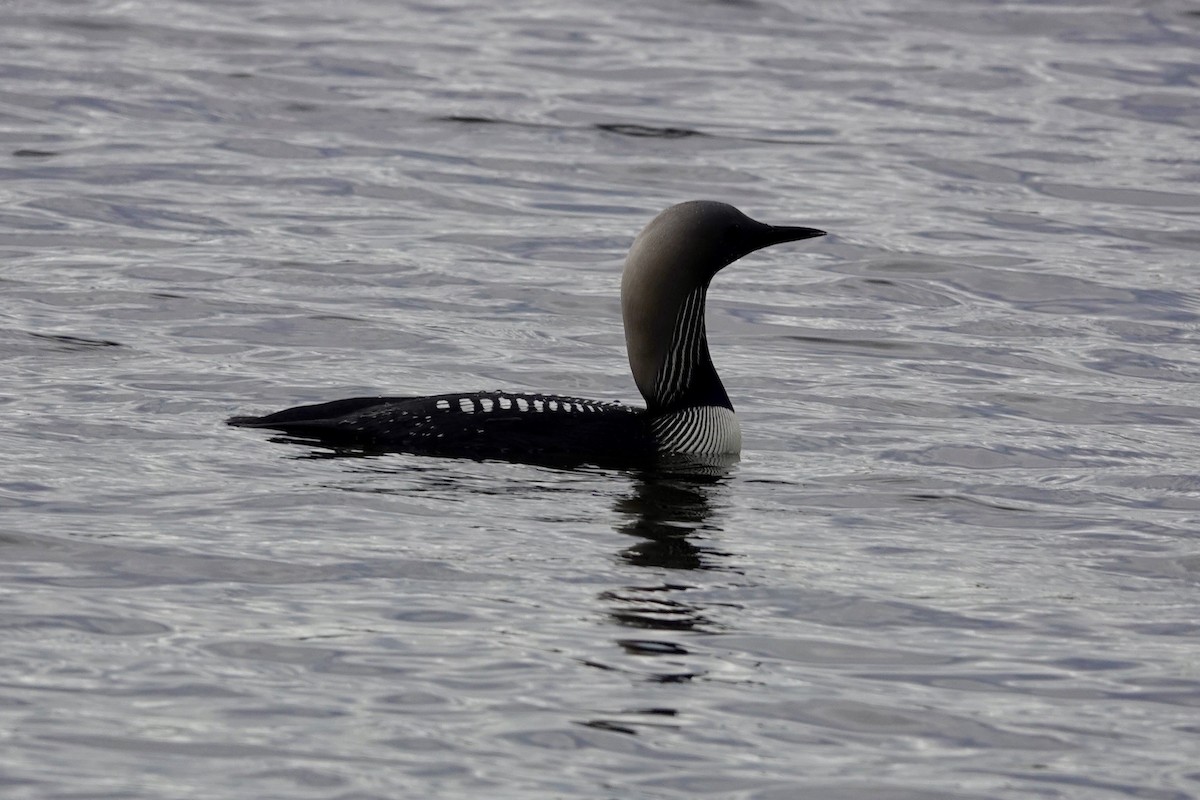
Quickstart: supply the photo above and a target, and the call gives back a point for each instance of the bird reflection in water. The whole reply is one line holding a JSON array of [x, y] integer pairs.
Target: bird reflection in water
[[664, 511], [667, 512]]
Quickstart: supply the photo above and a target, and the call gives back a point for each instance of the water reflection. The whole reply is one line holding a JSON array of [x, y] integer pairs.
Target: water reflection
[[669, 512], [665, 511]]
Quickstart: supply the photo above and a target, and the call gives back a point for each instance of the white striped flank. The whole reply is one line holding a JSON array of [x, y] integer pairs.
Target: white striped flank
[[703, 430]]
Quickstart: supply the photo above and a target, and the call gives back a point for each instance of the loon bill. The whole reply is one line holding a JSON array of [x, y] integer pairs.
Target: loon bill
[[687, 414]]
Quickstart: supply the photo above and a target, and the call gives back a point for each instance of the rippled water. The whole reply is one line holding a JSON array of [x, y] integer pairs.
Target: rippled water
[[959, 558]]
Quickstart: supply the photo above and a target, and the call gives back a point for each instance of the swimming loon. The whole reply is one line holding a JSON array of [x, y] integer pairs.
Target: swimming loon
[[688, 413]]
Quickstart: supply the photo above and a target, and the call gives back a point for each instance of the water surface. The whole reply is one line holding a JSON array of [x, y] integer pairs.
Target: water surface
[[959, 558]]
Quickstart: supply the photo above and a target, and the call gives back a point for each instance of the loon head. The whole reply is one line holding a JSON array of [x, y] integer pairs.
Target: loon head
[[663, 288]]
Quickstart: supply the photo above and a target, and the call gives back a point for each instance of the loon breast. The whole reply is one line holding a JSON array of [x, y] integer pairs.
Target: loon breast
[[688, 413], [699, 431]]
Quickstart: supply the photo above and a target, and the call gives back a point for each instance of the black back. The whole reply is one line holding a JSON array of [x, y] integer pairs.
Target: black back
[[526, 428]]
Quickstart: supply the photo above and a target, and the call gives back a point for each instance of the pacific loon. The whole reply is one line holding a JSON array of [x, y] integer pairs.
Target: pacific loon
[[687, 414]]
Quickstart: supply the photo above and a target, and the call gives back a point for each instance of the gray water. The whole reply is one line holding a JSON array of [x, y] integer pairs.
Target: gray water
[[959, 558]]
